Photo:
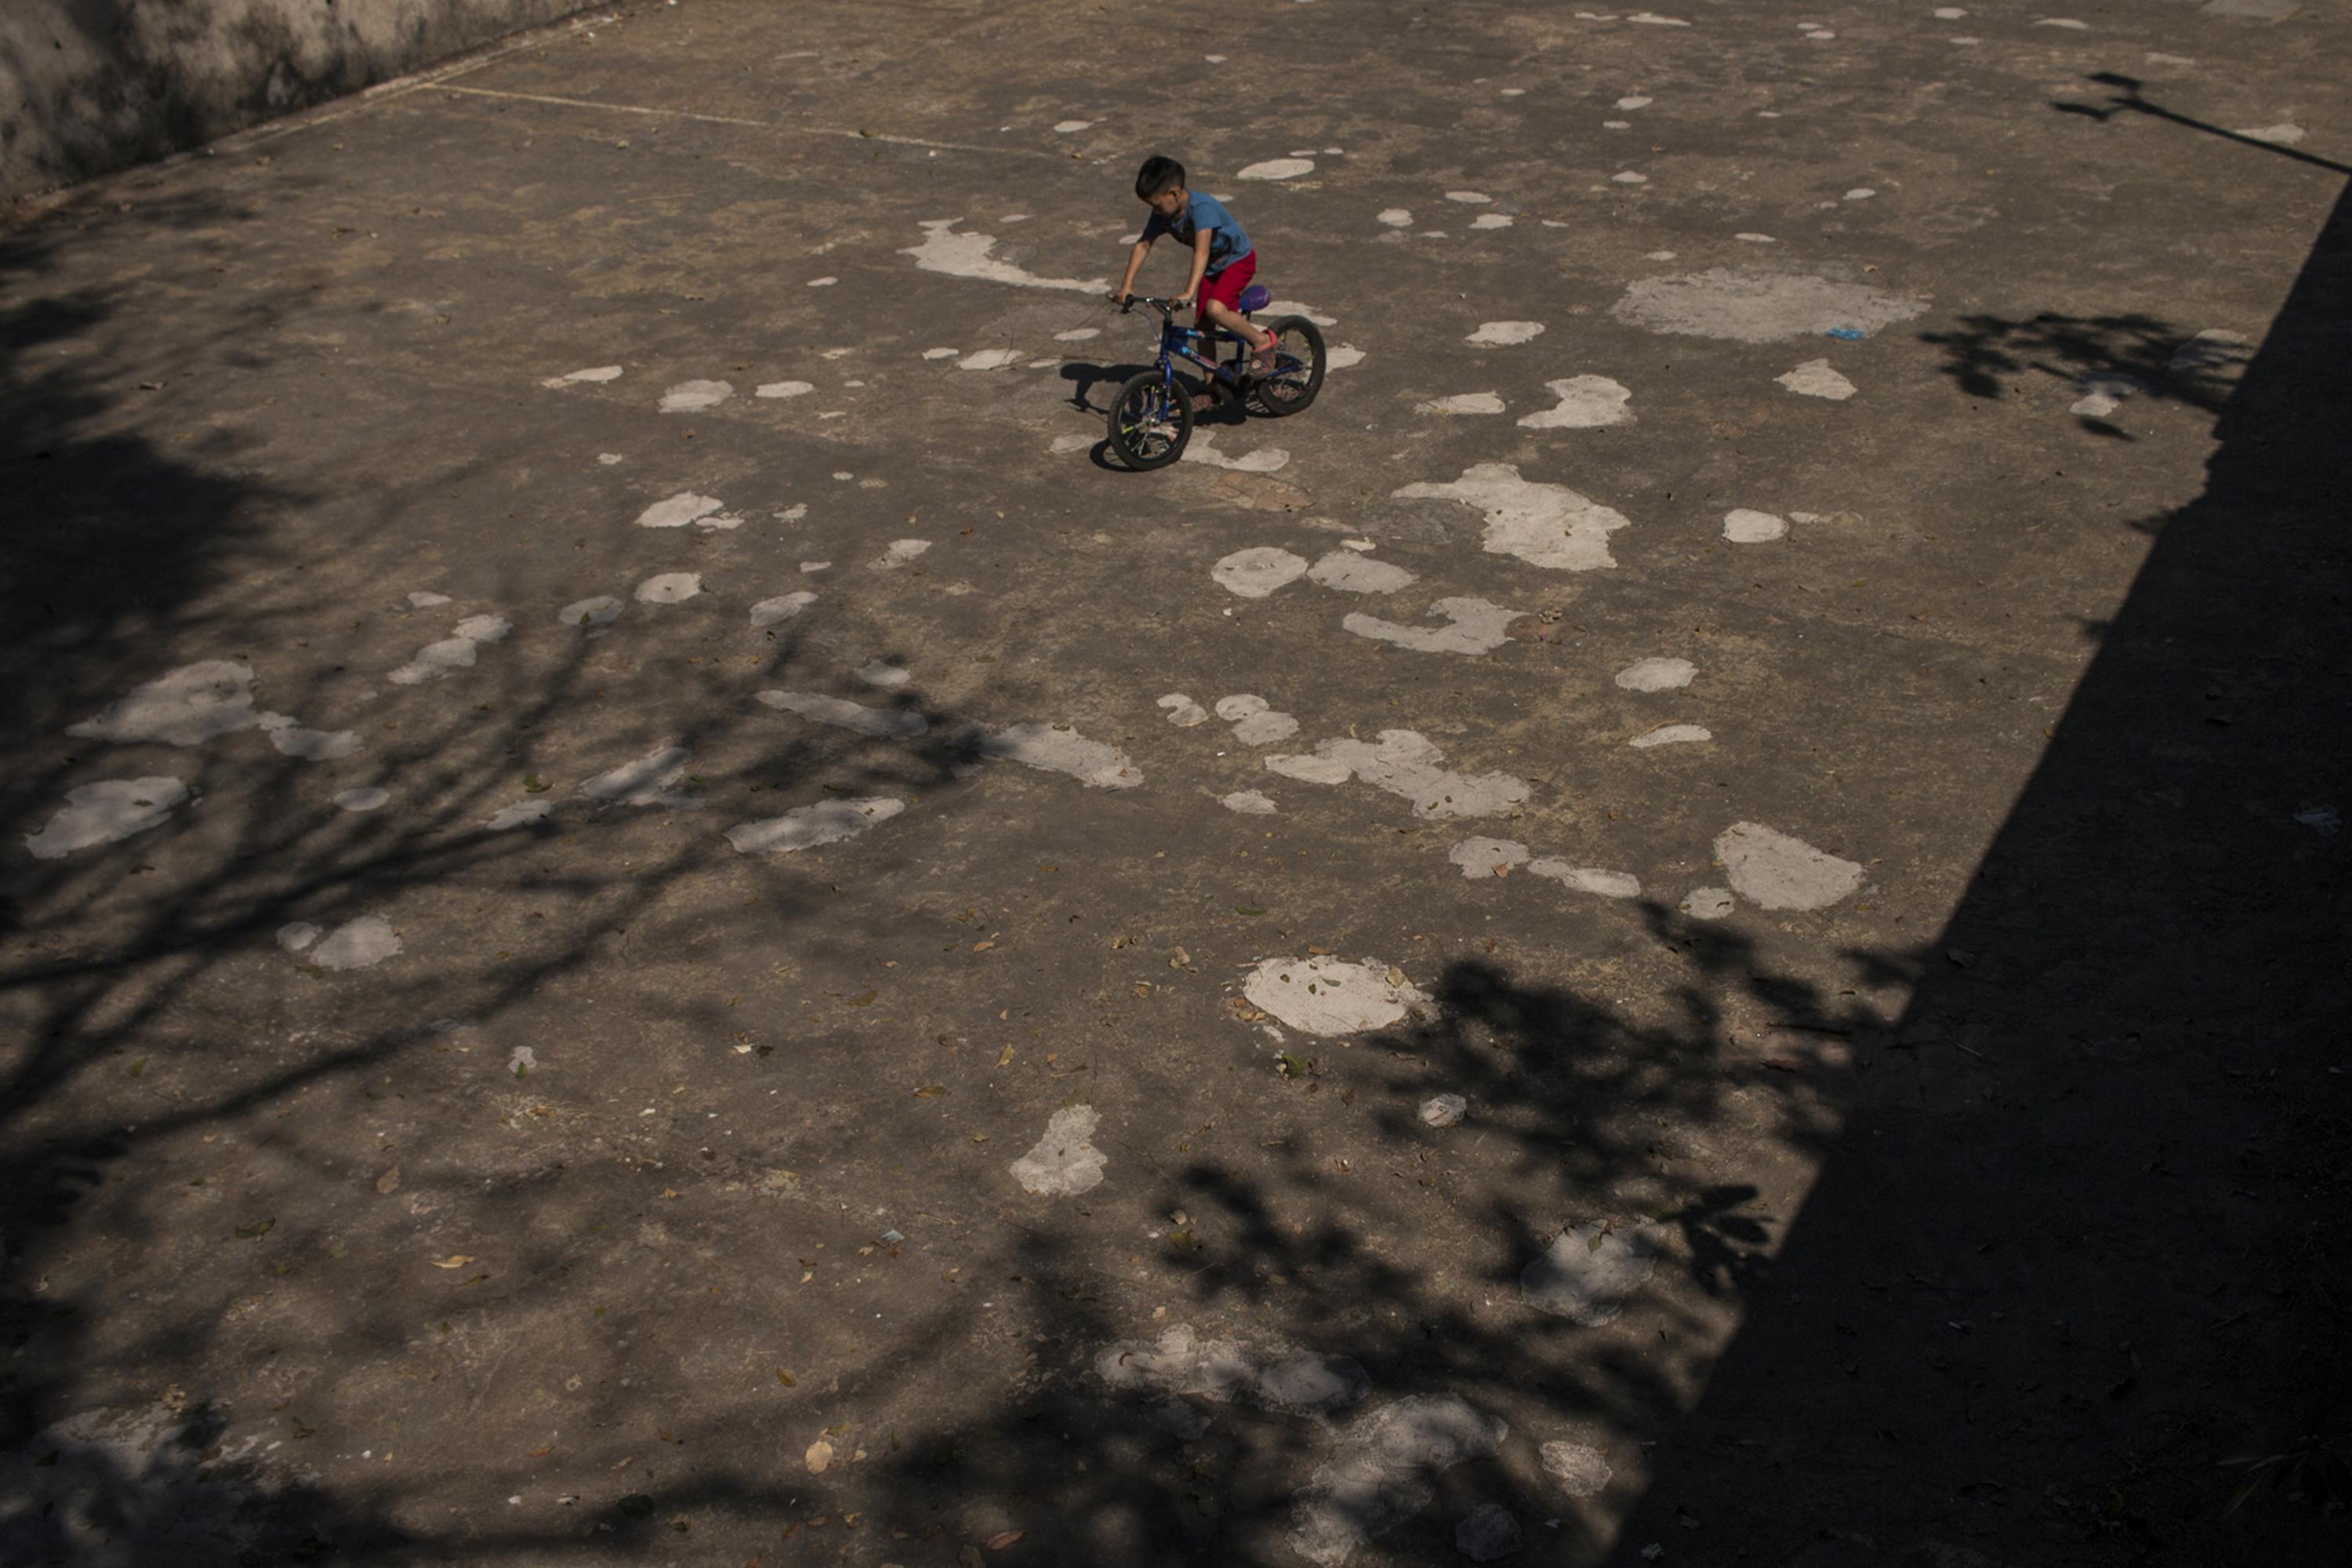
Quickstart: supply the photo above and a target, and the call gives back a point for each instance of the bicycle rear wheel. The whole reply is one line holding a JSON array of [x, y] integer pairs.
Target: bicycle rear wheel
[[1299, 364], [1151, 420]]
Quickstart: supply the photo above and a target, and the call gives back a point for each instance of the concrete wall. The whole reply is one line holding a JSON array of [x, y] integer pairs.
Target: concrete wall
[[87, 86]]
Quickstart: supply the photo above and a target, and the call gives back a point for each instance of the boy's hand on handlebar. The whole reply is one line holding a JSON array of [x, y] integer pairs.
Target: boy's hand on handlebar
[[1183, 301], [1120, 297]]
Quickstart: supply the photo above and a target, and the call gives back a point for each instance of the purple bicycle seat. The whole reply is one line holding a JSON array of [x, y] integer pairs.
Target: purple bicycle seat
[[1254, 298]]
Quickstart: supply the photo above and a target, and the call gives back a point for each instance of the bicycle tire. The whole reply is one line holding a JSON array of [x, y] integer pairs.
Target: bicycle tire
[[1147, 405], [1282, 394]]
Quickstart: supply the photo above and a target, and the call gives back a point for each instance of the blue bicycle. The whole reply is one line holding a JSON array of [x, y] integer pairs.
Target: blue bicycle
[[1151, 417]]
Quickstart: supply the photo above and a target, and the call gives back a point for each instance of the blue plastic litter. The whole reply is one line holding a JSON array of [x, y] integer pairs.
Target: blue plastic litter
[[1845, 334]]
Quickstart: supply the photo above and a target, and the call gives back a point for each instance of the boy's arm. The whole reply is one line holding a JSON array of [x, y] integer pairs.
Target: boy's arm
[[1200, 268], [1141, 249]]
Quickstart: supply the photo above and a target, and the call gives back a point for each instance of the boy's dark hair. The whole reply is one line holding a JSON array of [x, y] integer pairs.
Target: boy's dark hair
[[1158, 173]]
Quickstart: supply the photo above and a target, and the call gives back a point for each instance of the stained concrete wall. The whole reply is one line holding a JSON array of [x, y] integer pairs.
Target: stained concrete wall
[[87, 86]]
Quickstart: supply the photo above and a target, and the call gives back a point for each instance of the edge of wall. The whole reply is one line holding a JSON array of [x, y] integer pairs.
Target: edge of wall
[[91, 87]]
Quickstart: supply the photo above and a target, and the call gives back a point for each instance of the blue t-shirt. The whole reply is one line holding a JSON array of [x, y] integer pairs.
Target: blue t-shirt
[[1227, 243]]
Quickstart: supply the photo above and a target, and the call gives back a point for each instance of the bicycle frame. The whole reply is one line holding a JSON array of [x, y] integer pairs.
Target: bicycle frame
[[1177, 341]]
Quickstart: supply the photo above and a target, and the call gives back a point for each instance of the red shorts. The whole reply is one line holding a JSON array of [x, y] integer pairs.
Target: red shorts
[[1226, 287]]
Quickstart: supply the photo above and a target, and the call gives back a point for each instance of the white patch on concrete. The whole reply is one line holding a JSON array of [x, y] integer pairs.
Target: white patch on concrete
[[1444, 1110], [1753, 238], [1298, 1383], [1277, 169], [1396, 218], [1671, 735], [1265, 729], [1063, 1163], [1650, 19], [1708, 903], [990, 358], [1860, 194], [967, 255], [782, 607], [287, 733], [600, 611], [648, 781], [1778, 873], [1948, 13], [425, 601], [1499, 334], [1659, 255], [1580, 1469], [106, 812], [1342, 357], [687, 396], [678, 510], [806, 827], [1586, 878], [1332, 996], [1586, 403], [1474, 626], [361, 943], [942, 354], [1492, 220], [1656, 674], [1405, 763], [807, 566], [1634, 101], [1814, 378], [1241, 705], [1182, 711], [2156, 57], [436, 659], [1265, 460], [1296, 308], [788, 388], [1465, 403], [1606, 125], [2214, 346], [1060, 749], [1075, 335], [1385, 1471], [594, 374], [185, 707], [367, 797], [825, 283], [2068, 23], [609, 459], [1254, 573], [521, 813], [1312, 770], [1070, 127], [669, 588], [1469, 198], [1346, 571], [1544, 525], [2103, 392], [888, 723], [902, 551], [1629, 177], [1591, 1269], [298, 935], [1249, 803], [1479, 858], [881, 673], [1065, 445], [1743, 526], [1758, 306]]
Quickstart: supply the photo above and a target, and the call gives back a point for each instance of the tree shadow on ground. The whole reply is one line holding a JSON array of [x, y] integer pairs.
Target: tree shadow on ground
[[153, 998]]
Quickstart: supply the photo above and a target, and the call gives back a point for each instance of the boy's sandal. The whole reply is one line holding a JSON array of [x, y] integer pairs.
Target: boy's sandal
[[1265, 359]]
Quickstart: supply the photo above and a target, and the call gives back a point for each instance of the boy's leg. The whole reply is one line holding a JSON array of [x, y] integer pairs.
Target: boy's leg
[[1223, 315]]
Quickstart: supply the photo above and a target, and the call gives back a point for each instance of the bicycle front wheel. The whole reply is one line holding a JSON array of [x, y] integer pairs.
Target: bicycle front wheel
[[1151, 420]]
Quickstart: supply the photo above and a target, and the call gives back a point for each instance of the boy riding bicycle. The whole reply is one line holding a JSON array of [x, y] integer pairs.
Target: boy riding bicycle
[[1223, 261]]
